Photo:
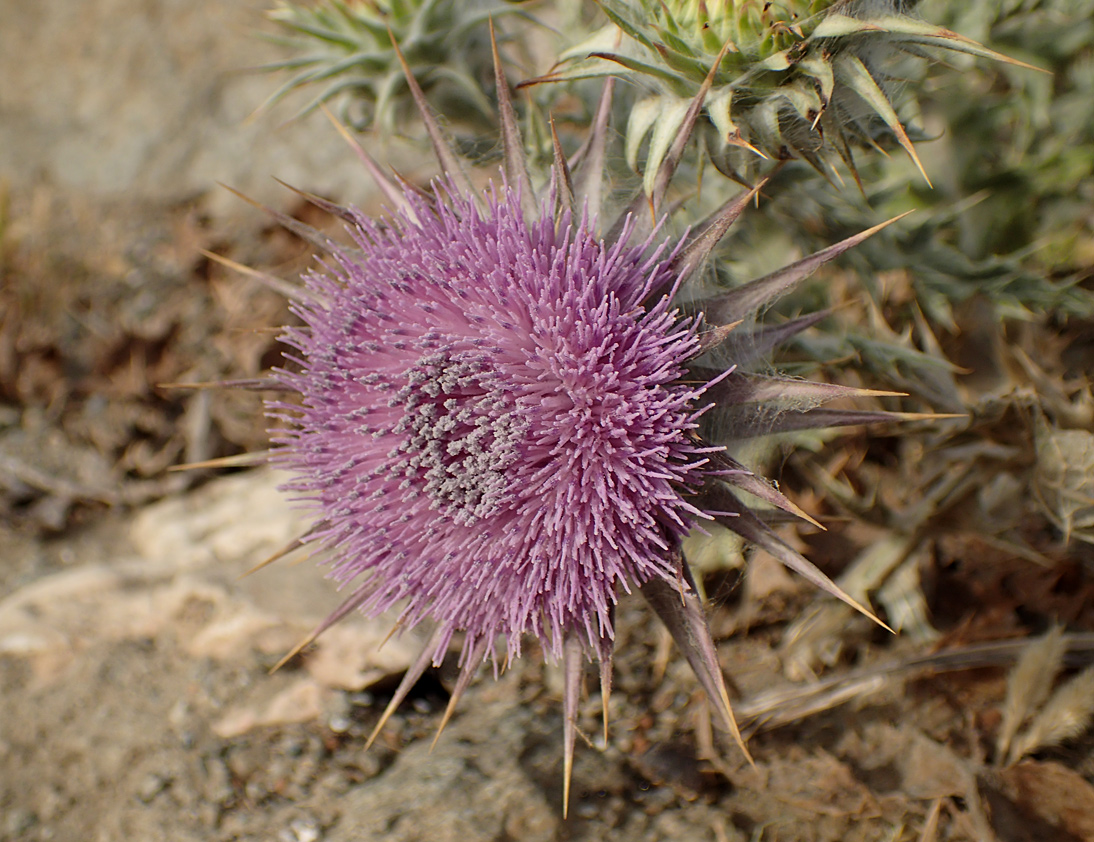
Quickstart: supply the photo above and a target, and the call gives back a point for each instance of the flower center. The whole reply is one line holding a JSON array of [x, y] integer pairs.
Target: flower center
[[462, 430]]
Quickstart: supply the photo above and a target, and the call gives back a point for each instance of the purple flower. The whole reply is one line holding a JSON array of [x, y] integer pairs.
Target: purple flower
[[498, 430], [493, 431]]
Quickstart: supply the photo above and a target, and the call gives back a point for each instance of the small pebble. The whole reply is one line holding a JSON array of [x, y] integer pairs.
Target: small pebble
[[300, 830], [152, 785]]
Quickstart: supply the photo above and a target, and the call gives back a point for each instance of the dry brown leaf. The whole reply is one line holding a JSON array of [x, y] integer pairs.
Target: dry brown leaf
[[1063, 478], [1054, 794], [817, 636], [903, 599]]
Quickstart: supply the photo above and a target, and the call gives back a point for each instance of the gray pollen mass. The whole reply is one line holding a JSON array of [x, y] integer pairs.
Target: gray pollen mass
[[462, 431]]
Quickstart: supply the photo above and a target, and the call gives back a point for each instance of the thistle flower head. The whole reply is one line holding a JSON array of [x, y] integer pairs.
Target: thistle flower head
[[493, 430]]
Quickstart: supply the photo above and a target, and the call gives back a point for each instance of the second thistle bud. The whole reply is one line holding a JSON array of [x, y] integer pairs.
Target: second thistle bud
[[809, 80]]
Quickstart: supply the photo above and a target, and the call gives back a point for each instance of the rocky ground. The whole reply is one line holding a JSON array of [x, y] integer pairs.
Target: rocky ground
[[138, 704], [136, 699]]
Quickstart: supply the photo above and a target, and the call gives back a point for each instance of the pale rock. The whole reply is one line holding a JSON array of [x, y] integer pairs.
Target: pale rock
[[181, 582], [300, 702], [239, 519]]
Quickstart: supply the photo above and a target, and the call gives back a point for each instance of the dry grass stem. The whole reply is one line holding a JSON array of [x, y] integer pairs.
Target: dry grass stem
[[792, 703], [930, 826], [1067, 714], [1029, 684]]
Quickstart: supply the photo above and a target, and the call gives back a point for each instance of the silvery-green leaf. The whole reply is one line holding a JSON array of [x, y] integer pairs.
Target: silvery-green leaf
[[641, 120], [602, 41], [804, 100], [665, 131], [617, 14], [719, 104], [839, 26], [644, 68], [779, 61], [850, 71], [819, 69]]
